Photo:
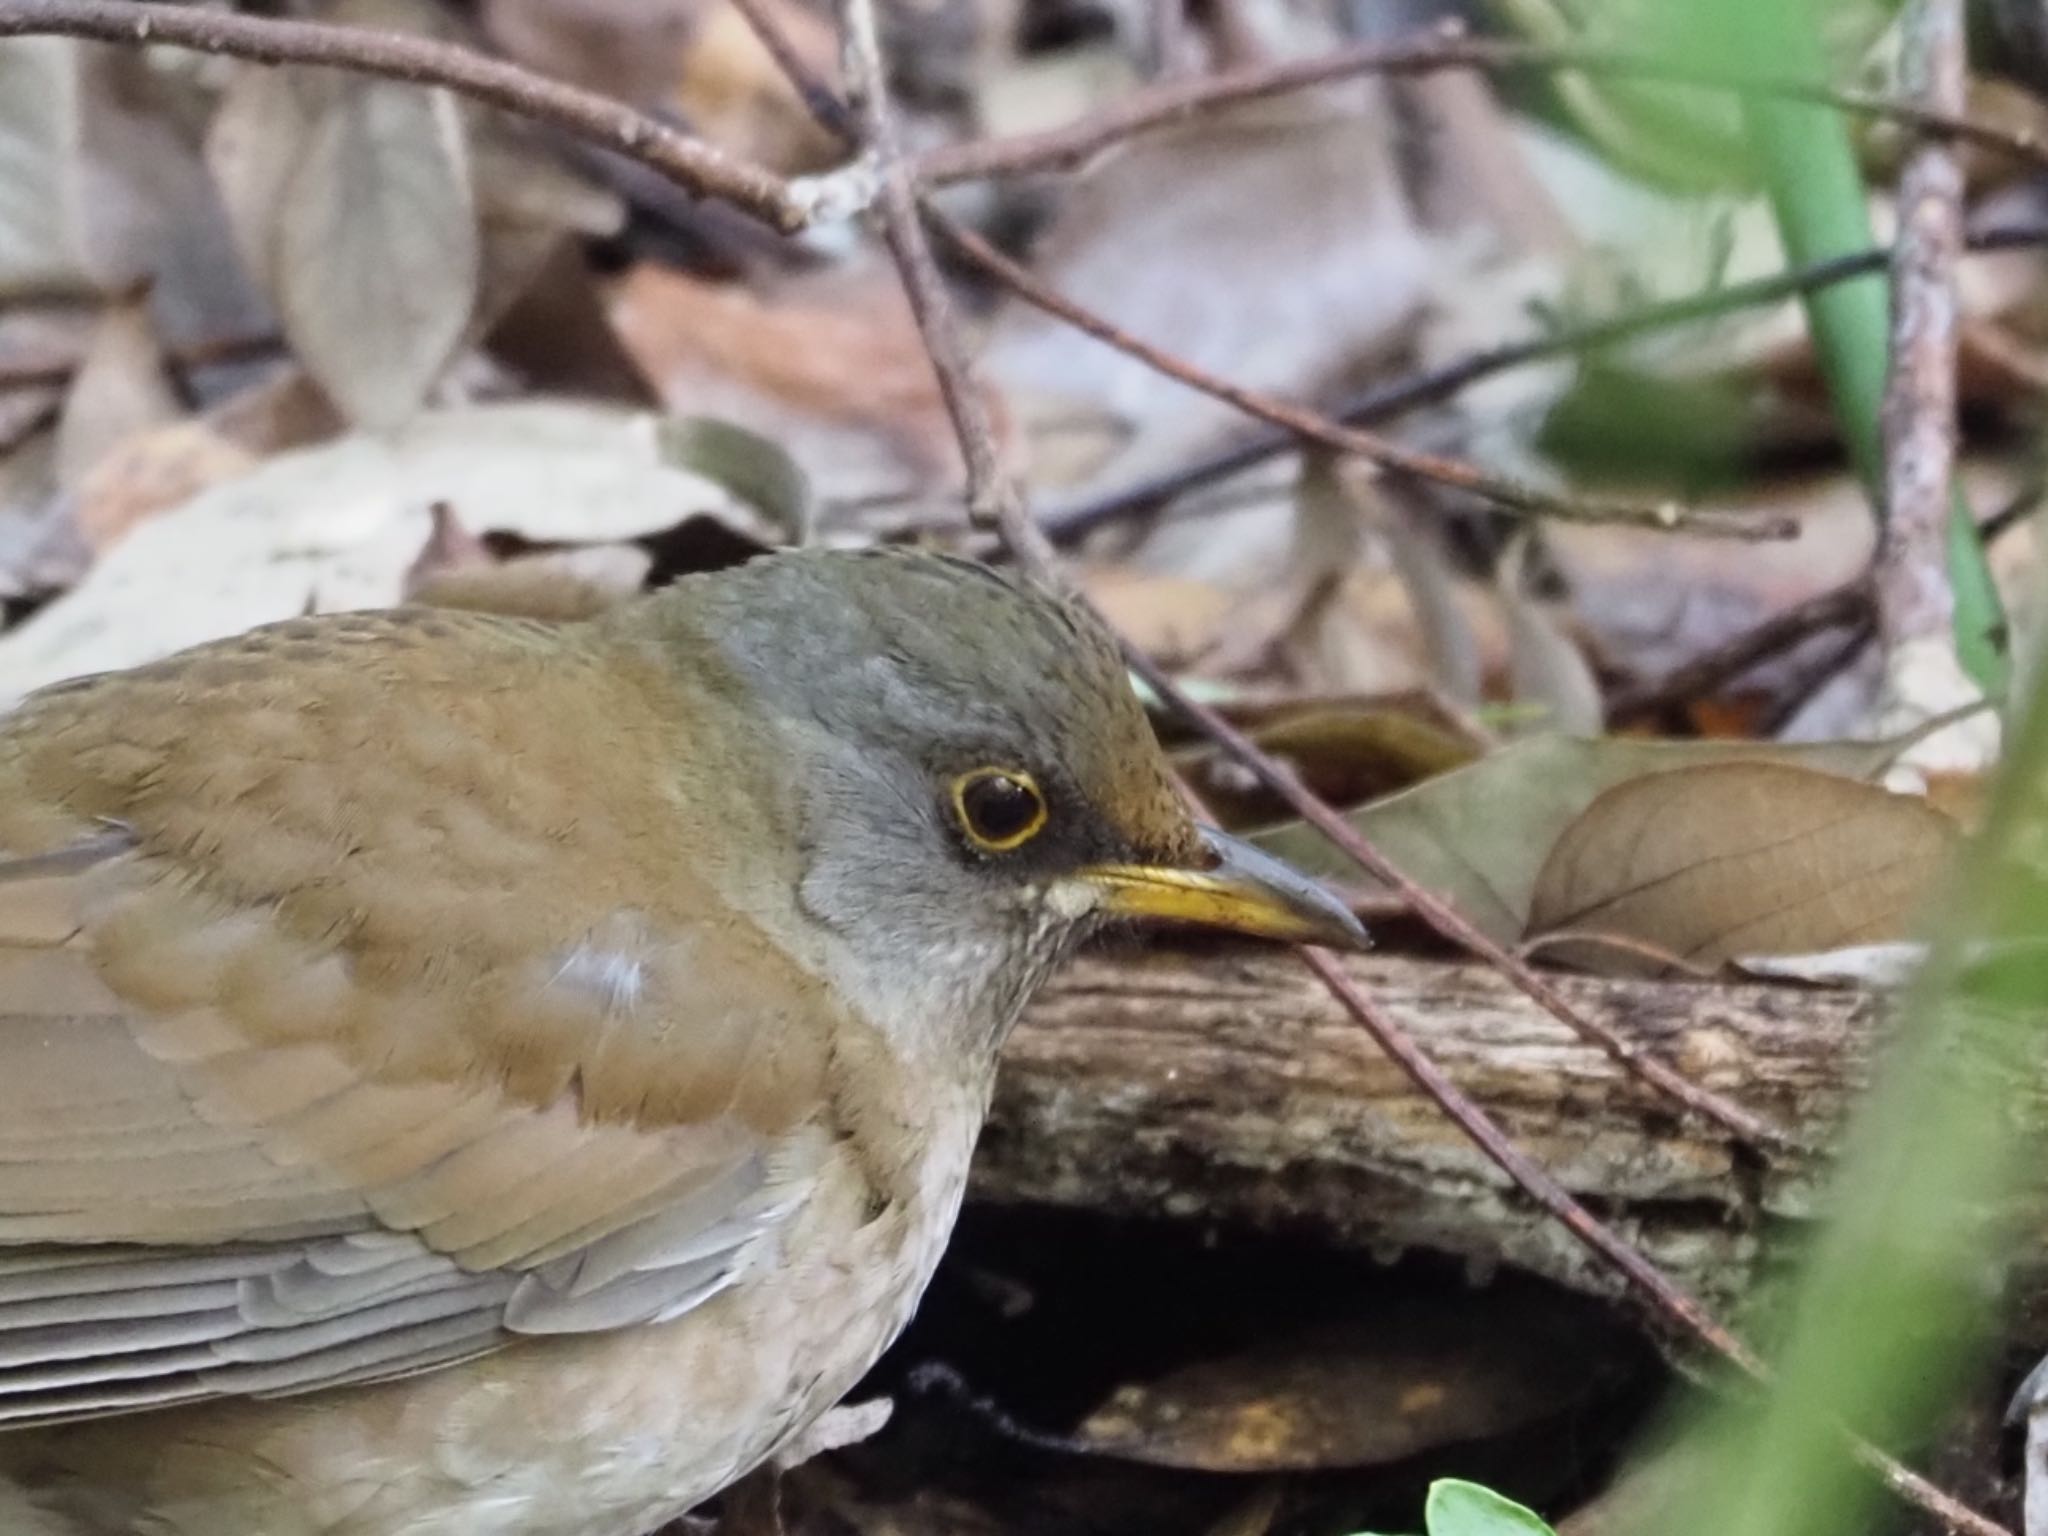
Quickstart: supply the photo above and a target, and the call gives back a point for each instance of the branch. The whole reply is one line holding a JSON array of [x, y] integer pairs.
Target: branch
[[993, 499], [1310, 426], [691, 163], [1068, 146], [1910, 579], [1066, 524]]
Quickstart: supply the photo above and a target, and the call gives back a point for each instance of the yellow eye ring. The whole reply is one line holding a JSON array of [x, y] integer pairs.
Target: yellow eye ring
[[999, 809]]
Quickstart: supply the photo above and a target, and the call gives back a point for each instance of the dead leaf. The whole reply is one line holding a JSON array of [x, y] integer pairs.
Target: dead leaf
[[40, 549], [1272, 244], [151, 473], [1344, 754], [733, 92], [350, 201], [830, 367], [119, 392], [631, 49], [555, 588], [340, 526], [1722, 860], [1478, 837], [1173, 618], [1355, 1392], [38, 174]]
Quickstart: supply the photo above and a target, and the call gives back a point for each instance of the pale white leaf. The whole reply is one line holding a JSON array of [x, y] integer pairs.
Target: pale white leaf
[[341, 526]]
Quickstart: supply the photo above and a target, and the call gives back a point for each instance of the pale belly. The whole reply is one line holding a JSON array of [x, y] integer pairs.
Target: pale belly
[[600, 1435]]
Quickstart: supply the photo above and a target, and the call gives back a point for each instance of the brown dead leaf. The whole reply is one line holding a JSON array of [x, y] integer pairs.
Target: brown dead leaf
[[350, 201], [832, 368], [1272, 244], [1173, 618], [1714, 862], [1479, 836], [632, 49], [1346, 755], [151, 473], [732, 91], [1356, 1393], [155, 471]]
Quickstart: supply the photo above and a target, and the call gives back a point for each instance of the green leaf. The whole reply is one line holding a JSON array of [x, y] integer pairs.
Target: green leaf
[[1458, 1508]]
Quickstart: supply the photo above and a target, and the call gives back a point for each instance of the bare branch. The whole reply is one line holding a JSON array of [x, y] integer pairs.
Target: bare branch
[[1060, 148], [689, 162], [993, 499], [1309, 426], [1915, 601], [1384, 401]]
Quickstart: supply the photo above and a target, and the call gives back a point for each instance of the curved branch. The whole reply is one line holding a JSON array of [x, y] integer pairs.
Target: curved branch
[[689, 162]]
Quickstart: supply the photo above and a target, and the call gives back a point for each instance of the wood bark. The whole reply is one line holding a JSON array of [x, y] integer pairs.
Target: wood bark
[[1228, 1087]]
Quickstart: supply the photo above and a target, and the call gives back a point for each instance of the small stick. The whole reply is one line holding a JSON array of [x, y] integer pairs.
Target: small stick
[[1158, 106], [1429, 386], [1511, 495], [1714, 669], [993, 500]]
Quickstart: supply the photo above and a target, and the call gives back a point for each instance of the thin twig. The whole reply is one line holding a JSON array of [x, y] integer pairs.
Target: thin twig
[[1177, 101], [689, 162], [1712, 670], [1671, 1301], [1510, 494], [815, 92], [221, 352], [1383, 401], [1910, 577], [993, 500]]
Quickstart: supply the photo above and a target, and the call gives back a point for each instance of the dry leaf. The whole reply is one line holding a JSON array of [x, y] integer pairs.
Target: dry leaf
[[119, 392], [631, 49], [1478, 837], [1172, 618], [831, 368], [40, 550], [342, 526], [350, 201], [1357, 1393], [38, 172], [1742, 859], [1271, 244], [1345, 754]]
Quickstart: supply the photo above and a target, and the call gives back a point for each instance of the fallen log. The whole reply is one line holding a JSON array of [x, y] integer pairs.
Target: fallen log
[[1227, 1086]]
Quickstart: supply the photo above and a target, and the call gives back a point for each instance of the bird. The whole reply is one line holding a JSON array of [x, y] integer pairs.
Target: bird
[[471, 1075]]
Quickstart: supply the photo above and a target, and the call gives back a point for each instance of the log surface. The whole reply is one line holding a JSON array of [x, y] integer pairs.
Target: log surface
[[1228, 1086]]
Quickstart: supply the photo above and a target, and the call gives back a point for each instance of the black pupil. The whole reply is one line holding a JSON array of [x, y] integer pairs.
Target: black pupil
[[999, 807]]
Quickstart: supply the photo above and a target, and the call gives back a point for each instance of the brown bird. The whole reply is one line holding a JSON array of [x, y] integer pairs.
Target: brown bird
[[467, 1076]]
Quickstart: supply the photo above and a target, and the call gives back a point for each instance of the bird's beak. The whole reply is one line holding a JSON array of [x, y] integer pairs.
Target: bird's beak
[[1238, 889]]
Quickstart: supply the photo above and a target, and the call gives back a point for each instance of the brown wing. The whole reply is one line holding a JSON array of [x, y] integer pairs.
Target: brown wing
[[351, 1024]]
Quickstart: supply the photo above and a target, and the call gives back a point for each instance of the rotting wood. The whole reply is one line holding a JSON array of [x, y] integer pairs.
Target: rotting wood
[[1230, 1087]]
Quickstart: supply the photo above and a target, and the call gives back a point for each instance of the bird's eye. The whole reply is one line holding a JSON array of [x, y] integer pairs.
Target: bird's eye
[[999, 808]]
